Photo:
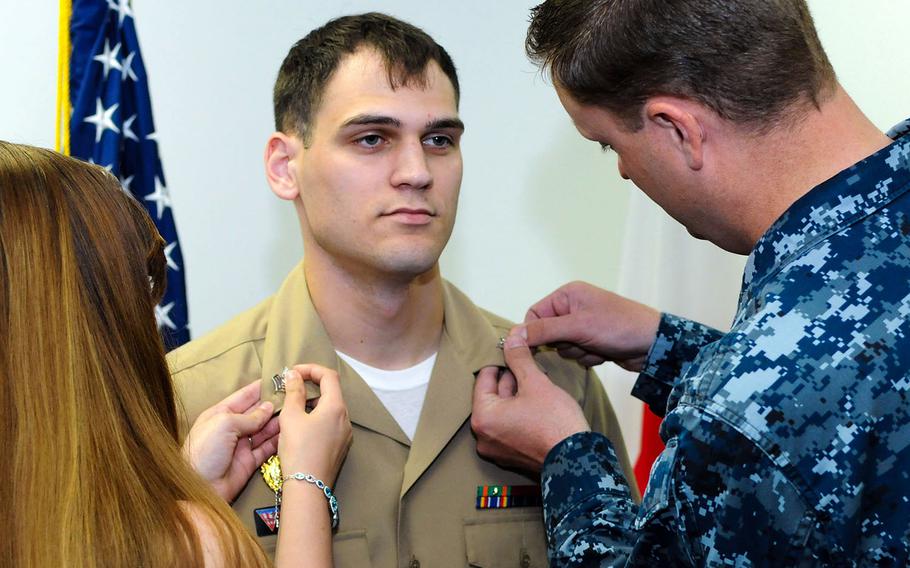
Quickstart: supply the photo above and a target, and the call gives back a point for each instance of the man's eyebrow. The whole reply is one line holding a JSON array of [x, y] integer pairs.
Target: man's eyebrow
[[382, 120], [444, 123], [371, 119]]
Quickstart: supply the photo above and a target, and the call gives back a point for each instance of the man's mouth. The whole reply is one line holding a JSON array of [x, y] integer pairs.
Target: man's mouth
[[410, 216]]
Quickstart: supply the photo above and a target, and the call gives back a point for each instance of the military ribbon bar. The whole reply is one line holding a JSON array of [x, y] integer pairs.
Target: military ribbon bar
[[507, 496]]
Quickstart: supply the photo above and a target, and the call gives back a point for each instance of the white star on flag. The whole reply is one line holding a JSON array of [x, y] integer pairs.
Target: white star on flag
[[103, 119], [167, 256], [161, 197], [163, 318], [109, 58], [128, 128], [125, 183], [109, 167], [127, 71], [122, 7]]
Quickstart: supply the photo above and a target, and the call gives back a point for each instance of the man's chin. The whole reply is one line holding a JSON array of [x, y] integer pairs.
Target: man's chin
[[415, 268], [413, 256], [696, 234], [726, 245], [409, 266]]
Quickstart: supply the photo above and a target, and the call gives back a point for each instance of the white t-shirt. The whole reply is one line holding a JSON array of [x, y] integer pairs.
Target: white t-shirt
[[402, 391]]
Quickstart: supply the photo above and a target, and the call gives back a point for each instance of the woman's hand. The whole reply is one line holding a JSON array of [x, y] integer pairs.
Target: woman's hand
[[231, 439], [314, 442]]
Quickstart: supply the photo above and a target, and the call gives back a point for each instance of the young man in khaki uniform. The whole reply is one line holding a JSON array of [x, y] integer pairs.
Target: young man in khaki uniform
[[367, 149]]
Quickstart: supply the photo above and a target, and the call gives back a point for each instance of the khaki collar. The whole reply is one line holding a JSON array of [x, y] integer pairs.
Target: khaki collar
[[469, 342]]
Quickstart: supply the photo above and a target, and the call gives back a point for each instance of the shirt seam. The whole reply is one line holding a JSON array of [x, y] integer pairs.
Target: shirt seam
[[220, 354]]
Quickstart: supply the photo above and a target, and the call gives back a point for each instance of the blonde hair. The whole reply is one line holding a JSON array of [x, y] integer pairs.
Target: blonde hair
[[95, 474]]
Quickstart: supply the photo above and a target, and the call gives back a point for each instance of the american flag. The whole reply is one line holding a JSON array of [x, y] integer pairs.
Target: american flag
[[112, 126]]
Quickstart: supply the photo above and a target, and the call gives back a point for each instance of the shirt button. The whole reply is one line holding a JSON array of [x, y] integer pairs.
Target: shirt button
[[414, 563], [525, 560]]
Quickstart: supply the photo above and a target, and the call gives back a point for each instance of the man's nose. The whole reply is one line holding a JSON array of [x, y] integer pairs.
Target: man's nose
[[411, 167]]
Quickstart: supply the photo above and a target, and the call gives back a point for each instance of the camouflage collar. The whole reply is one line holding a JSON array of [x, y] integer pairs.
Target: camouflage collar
[[851, 195]]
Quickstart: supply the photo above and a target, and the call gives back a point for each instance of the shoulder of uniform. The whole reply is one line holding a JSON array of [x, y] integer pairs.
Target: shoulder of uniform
[[498, 323], [243, 331], [567, 373]]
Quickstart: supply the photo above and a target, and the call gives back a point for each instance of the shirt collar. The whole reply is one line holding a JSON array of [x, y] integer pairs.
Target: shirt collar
[[296, 333], [847, 197]]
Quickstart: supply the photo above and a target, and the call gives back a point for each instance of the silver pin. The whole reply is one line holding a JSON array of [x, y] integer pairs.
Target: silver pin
[[278, 380]]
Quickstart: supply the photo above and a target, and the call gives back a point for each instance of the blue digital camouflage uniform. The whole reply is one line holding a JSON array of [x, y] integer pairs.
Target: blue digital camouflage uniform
[[788, 438]]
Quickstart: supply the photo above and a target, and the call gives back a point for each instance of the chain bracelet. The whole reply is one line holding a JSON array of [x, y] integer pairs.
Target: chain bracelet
[[326, 490]]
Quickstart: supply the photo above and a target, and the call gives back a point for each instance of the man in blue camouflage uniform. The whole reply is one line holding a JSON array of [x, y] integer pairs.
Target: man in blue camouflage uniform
[[788, 438]]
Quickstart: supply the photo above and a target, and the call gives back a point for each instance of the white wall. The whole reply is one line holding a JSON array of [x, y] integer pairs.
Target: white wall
[[539, 205], [528, 176]]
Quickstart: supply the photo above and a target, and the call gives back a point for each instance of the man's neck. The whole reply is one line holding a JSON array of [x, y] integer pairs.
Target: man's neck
[[383, 322], [789, 162]]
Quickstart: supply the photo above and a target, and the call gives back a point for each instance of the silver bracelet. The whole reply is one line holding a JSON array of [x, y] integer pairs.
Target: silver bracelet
[[326, 490]]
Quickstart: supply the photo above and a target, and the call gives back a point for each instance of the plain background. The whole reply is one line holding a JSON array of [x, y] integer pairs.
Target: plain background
[[539, 205]]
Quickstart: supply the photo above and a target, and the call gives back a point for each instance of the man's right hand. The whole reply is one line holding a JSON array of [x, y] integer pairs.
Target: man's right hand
[[592, 325]]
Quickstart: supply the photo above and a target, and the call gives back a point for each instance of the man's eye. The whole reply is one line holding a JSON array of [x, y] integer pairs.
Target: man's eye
[[605, 147], [438, 141], [369, 141]]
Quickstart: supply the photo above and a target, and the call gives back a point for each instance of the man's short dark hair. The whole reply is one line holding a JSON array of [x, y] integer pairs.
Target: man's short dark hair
[[750, 61], [406, 51]]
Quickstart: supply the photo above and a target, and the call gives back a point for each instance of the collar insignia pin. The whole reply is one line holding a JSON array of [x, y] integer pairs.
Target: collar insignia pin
[[278, 380]]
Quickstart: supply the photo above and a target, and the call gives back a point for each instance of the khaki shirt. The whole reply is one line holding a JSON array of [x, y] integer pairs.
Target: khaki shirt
[[403, 502]]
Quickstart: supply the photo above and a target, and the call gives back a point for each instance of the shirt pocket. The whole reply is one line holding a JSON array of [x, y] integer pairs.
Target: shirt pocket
[[350, 548], [657, 496], [514, 540]]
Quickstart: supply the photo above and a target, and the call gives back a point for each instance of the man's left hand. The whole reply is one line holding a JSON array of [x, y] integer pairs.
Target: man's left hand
[[519, 416]]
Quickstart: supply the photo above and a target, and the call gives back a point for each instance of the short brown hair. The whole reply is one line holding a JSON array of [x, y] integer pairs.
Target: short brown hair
[[406, 50], [748, 60]]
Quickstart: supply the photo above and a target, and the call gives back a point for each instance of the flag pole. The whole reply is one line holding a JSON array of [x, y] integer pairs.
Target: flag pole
[[62, 117]]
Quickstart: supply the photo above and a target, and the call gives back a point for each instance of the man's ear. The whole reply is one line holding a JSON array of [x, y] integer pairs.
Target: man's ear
[[280, 151], [680, 121]]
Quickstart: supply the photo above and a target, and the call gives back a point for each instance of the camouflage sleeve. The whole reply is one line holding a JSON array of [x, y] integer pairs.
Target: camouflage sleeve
[[732, 505], [677, 344], [602, 418], [588, 510], [713, 498]]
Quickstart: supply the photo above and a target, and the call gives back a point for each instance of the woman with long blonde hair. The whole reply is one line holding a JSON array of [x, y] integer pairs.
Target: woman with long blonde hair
[[94, 472]]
